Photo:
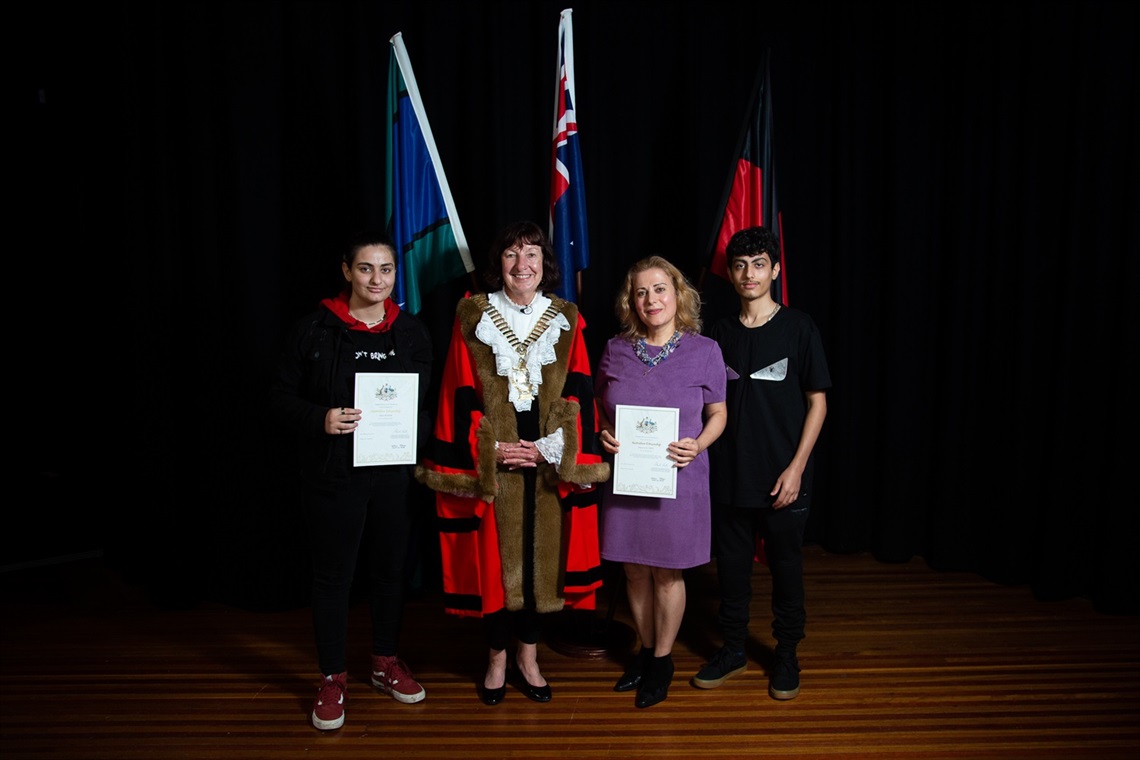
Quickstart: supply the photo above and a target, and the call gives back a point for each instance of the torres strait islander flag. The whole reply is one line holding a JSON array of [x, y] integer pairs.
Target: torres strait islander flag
[[750, 198], [419, 210], [568, 233]]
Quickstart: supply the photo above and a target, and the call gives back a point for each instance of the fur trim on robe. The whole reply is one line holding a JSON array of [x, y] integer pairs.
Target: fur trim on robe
[[472, 491]]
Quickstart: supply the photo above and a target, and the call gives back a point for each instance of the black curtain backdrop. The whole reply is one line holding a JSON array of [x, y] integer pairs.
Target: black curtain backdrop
[[960, 199]]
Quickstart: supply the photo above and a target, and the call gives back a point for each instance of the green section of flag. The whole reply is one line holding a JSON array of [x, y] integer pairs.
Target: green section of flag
[[420, 212], [429, 262]]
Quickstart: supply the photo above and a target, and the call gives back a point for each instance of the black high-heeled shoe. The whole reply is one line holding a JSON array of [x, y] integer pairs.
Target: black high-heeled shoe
[[631, 678], [493, 697], [536, 693], [655, 684]]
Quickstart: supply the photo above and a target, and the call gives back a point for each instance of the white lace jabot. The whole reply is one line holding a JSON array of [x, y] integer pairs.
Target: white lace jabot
[[539, 353]]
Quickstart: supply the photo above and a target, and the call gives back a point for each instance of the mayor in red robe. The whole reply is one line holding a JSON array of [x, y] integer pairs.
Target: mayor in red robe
[[515, 458]]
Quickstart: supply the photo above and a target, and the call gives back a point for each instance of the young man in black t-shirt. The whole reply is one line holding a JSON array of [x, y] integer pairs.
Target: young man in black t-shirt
[[761, 468]]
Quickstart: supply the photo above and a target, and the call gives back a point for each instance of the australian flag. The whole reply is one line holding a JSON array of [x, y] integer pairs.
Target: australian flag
[[568, 231]]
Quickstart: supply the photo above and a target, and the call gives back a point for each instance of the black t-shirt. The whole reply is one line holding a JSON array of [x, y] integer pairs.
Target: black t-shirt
[[373, 351], [778, 363]]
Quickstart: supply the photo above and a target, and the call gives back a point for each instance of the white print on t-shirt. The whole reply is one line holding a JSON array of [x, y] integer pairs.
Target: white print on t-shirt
[[375, 355], [777, 371]]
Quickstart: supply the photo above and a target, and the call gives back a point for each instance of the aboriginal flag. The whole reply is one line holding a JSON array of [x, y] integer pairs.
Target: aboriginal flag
[[750, 196]]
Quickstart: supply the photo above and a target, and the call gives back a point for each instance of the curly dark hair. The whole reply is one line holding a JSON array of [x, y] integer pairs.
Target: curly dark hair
[[521, 233], [752, 241]]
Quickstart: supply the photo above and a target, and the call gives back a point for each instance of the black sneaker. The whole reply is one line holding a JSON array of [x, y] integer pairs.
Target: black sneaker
[[724, 665], [785, 680]]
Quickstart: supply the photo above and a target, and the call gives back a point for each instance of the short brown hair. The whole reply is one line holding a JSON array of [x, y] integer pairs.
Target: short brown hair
[[521, 233]]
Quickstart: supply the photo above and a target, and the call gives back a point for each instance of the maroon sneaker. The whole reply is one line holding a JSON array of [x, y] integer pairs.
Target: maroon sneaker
[[391, 675], [328, 707]]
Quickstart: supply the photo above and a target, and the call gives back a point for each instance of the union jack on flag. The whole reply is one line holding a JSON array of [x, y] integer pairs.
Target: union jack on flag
[[568, 233]]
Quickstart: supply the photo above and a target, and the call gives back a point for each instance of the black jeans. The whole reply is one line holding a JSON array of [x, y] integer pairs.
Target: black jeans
[[735, 531], [370, 512]]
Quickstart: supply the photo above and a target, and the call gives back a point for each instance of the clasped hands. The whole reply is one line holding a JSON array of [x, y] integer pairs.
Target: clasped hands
[[518, 454]]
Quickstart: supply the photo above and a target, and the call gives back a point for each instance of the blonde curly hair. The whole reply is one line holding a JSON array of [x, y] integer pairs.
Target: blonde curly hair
[[688, 317]]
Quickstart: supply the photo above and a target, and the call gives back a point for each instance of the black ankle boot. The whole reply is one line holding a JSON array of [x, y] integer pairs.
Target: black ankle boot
[[631, 679], [655, 683]]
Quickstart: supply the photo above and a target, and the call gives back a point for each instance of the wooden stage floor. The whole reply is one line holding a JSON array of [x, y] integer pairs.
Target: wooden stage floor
[[900, 662]]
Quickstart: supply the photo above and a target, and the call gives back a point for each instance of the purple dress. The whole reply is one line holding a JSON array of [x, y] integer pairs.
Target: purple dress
[[673, 533]]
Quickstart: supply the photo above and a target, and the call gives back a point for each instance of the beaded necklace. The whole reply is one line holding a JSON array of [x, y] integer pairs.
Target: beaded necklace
[[639, 349]]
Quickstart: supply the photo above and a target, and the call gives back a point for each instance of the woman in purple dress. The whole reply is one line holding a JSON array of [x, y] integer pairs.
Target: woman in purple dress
[[660, 359]]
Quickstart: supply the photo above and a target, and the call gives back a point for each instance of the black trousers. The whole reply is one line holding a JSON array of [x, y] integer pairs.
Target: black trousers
[[502, 625], [735, 531], [369, 512]]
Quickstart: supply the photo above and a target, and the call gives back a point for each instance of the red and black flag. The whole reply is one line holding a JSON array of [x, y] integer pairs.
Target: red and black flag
[[749, 198]]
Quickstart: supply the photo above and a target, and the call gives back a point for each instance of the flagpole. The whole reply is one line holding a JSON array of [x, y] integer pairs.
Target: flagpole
[[578, 633]]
